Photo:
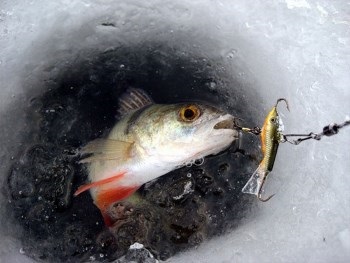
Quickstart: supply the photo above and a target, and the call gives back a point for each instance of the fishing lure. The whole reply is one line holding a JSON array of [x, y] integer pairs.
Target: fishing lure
[[271, 136]]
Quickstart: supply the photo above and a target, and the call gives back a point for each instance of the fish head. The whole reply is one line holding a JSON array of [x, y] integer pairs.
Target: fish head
[[189, 131], [272, 119], [273, 126]]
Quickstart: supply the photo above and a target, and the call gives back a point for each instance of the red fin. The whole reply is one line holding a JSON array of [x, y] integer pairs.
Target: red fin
[[85, 187], [106, 218], [107, 197]]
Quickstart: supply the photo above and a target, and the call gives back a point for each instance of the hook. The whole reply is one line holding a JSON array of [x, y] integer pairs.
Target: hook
[[266, 199], [255, 130], [283, 99], [260, 191]]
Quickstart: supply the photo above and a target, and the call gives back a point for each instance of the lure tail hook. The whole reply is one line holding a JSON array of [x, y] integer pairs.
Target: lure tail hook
[[266, 199], [259, 195]]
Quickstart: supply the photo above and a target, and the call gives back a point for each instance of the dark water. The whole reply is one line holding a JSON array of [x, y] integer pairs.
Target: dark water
[[81, 106]]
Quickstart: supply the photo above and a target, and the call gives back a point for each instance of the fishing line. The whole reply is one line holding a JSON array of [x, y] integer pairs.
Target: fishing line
[[328, 131]]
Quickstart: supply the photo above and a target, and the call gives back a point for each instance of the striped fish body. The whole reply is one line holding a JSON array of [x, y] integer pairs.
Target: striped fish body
[[149, 141]]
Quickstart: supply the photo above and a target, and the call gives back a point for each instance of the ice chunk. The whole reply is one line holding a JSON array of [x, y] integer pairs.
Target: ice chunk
[[137, 253]]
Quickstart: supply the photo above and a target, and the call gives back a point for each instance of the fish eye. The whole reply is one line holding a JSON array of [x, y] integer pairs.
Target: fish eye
[[273, 119], [189, 113]]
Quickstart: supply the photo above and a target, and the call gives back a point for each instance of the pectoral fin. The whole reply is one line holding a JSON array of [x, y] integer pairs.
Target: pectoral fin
[[106, 149]]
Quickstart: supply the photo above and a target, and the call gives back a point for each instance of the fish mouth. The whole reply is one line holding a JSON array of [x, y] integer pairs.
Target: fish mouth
[[225, 124]]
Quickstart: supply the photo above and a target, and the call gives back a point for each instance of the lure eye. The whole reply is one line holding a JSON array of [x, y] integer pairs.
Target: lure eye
[[273, 120], [189, 113]]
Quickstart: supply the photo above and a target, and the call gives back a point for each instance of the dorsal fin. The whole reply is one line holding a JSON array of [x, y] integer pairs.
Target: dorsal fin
[[133, 99]]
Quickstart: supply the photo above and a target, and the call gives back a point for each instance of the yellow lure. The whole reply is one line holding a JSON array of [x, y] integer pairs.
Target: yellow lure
[[270, 138]]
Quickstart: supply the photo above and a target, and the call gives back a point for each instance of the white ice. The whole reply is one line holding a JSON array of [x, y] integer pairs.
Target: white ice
[[297, 49]]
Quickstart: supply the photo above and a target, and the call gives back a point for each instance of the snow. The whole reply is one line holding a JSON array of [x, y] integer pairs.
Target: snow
[[297, 4], [299, 50], [136, 246]]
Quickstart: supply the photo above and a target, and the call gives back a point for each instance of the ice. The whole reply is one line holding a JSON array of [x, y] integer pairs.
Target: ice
[[137, 253], [296, 49]]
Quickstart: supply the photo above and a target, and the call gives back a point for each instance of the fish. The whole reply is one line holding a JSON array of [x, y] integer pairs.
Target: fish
[[270, 137], [148, 141]]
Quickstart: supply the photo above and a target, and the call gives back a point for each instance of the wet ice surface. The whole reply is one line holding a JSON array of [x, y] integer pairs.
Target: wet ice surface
[[137, 253], [293, 49]]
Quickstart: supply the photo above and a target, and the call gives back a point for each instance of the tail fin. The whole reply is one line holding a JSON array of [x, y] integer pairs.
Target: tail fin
[[255, 181]]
